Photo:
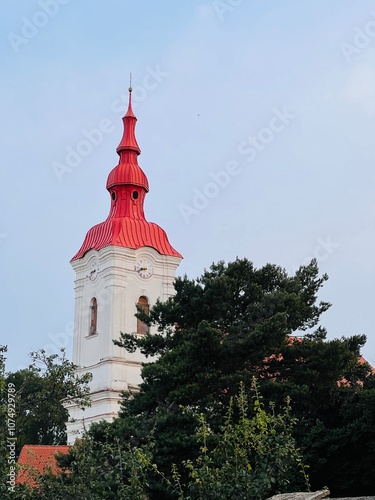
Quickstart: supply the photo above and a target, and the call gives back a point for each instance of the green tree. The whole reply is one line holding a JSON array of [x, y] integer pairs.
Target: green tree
[[221, 328], [250, 458], [341, 446], [333, 396], [253, 457], [233, 323], [41, 390], [98, 470]]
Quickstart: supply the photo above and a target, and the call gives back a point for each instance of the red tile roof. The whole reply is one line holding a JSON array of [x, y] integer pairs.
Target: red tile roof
[[129, 233], [36, 459]]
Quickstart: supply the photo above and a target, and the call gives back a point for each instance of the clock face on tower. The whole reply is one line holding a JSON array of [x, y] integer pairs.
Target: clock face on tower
[[144, 268], [94, 268]]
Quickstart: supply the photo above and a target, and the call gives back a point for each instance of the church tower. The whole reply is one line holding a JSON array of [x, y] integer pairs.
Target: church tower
[[123, 262]]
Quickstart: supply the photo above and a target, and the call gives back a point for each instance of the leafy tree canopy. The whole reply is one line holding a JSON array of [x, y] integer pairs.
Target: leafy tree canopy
[[250, 458], [236, 322], [217, 333], [233, 323], [40, 393]]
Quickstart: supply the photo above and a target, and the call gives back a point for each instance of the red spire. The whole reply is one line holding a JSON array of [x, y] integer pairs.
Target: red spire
[[128, 143], [128, 171], [126, 225]]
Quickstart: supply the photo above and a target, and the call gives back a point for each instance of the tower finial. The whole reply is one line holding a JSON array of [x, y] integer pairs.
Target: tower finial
[[130, 111], [128, 141]]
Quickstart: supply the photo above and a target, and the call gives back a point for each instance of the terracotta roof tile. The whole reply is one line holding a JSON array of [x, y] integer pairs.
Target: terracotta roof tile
[[36, 459]]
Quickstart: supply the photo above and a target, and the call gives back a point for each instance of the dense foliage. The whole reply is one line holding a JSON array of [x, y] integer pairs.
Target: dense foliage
[[187, 433], [236, 322], [249, 458], [253, 458], [40, 391], [32, 407]]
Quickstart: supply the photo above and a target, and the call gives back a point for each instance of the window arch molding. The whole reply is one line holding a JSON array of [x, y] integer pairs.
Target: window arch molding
[[93, 316], [143, 303]]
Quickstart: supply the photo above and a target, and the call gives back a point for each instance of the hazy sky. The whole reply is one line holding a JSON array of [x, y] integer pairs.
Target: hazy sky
[[256, 124]]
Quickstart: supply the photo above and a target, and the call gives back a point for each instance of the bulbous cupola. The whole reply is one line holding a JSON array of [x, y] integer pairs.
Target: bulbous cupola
[[127, 184], [128, 172]]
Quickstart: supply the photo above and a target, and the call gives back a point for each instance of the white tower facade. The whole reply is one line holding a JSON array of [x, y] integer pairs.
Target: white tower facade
[[125, 261]]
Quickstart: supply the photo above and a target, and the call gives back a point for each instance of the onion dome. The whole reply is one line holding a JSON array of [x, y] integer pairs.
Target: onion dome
[[126, 225]]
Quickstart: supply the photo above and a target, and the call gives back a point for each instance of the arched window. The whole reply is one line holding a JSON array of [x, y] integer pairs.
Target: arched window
[[93, 316], [142, 328]]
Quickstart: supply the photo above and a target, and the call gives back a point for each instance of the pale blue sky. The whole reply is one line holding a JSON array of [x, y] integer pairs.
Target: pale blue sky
[[208, 78]]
